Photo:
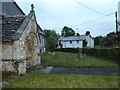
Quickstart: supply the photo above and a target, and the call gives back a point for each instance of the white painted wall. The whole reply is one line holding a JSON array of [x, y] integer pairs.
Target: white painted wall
[[90, 41], [74, 44]]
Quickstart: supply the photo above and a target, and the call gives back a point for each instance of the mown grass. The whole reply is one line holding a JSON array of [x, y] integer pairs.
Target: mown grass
[[63, 59], [37, 80]]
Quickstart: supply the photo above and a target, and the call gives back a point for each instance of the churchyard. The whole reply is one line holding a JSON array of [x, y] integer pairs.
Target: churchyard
[[66, 60]]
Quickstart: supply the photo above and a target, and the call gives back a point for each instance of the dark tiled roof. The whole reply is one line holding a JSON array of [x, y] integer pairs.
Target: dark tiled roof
[[11, 8], [10, 24]]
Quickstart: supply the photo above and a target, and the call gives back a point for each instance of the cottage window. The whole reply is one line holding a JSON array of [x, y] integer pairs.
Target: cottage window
[[70, 42], [77, 41]]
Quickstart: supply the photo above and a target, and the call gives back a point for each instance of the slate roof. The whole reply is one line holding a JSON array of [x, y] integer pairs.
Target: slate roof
[[10, 24], [11, 8], [14, 22], [73, 38]]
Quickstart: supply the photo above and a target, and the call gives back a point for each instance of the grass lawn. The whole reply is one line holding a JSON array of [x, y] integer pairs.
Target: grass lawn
[[37, 80], [63, 59]]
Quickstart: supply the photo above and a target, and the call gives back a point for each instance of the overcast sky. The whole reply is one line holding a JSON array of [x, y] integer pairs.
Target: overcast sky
[[77, 14]]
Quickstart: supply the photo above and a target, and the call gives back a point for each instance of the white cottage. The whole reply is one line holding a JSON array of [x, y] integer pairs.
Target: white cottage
[[76, 41]]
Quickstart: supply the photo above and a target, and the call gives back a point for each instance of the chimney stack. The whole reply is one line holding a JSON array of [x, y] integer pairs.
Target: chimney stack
[[87, 33], [77, 34]]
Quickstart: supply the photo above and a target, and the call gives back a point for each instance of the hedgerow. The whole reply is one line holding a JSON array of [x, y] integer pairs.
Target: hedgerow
[[108, 53]]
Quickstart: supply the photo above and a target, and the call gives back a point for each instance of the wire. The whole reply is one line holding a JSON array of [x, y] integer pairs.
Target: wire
[[96, 11], [93, 20]]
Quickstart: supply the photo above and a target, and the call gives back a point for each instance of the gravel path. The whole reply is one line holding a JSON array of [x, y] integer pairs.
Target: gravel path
[[85, 71], [81, 71]]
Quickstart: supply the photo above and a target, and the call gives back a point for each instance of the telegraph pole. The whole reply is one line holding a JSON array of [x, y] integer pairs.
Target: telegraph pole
[[116, 27], [116, 22]]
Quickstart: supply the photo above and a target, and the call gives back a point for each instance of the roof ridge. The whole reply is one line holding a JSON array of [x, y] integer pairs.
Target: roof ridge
[[74, 36], [14, 15]]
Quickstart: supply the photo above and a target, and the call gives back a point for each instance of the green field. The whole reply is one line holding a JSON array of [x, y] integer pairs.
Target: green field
[[37, 80], [62, 59]]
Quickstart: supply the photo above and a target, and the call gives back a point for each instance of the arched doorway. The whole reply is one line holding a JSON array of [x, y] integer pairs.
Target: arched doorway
[[31, 46]]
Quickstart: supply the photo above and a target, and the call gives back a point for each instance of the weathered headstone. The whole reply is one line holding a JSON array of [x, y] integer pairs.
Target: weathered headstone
[[4, 84]]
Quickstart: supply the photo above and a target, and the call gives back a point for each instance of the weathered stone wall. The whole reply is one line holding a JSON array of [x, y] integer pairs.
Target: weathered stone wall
[[9, 63], [22, 67], [14, 67], [7, 52], [24, 52], [29, 43], [9, 67]]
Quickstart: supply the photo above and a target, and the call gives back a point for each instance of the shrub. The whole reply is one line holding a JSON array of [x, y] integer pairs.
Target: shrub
[[71, 50], [108, 53]]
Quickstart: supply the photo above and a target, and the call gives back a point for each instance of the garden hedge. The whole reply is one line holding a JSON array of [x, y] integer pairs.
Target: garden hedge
[[108, 53]]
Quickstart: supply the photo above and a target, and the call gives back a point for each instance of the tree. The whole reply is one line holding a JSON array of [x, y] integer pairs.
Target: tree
[[51, 38], [97, 40], [66, 31], [110, 40]]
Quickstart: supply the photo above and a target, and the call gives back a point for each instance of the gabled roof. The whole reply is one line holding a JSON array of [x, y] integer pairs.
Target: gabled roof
[[73, 38], [13, 26], [14, 22], [10, 25]]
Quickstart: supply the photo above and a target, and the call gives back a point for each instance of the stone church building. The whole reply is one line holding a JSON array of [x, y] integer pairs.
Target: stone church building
[[22, 39]]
